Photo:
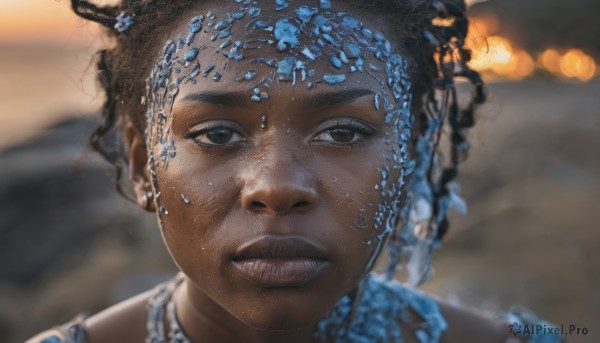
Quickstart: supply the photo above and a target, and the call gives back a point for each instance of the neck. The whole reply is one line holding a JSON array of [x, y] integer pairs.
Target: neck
[[203, 320]]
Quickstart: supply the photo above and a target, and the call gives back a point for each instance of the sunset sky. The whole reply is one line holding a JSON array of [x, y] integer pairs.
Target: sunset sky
[[41, 21], [47, 21]]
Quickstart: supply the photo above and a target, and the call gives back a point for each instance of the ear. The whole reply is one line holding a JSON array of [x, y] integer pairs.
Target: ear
[[138, 171]]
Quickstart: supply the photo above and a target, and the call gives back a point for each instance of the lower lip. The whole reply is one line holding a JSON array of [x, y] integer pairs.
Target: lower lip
[[280, 272]]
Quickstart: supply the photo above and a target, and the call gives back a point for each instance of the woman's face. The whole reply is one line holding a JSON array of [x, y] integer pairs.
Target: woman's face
[[277, 173]]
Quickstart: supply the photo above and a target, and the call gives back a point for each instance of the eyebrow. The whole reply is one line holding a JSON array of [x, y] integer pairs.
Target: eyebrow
[[227, 99], [240, 99], [333, 99]]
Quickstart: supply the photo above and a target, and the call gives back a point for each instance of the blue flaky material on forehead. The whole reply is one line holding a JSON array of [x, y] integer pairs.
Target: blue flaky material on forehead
[[300, 37], [292, 43], [296, 39]]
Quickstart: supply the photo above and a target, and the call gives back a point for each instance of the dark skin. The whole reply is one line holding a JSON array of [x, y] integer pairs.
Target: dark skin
[[306, 176]]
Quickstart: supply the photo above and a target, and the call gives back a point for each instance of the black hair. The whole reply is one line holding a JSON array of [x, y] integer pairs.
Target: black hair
[[430, 34]]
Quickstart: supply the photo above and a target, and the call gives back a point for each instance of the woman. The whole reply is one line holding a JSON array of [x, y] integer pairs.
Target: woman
[[283, 145]]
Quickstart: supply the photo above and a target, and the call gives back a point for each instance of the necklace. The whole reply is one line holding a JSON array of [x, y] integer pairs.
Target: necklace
[[364, 317], [160, 303]]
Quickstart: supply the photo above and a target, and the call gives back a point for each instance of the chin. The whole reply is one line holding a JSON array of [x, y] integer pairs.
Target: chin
[[283, 315]]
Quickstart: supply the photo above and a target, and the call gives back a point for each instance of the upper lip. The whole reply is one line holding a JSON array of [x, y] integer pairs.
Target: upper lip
[[274, 247]]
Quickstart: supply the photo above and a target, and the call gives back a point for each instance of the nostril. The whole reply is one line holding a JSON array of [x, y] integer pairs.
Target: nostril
[[300, 204], [257, 204]]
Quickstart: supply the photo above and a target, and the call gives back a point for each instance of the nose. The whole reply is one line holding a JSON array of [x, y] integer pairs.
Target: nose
[[280, 186]]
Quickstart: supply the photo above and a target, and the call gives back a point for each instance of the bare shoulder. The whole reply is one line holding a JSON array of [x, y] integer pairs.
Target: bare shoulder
[[123, 322], [467, 324]]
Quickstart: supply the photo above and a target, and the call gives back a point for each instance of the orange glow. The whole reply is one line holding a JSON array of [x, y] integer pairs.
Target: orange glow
[[550, 60], [42, 20], [496, 54], [500, 57], [577, 64], [484, 26], [446, 22]]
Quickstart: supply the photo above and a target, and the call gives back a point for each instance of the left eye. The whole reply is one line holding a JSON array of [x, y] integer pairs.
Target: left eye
[[345, 130], [339, 135]]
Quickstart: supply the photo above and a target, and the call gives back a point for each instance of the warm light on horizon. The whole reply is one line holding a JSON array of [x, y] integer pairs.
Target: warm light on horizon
[[499, 56], [42, 21]]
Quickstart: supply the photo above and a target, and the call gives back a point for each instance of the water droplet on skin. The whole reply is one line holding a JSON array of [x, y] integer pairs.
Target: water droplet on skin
[[334, 180], [250, 74], [216, 77], [185, 200], [163, 210]]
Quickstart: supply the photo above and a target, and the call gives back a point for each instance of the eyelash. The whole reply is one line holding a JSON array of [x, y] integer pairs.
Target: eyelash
[[363, 130], [194, 134]]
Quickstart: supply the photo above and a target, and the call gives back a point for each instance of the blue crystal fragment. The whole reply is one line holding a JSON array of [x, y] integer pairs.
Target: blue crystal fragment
[[51, 339], [254, 11], [281, 5], [190, 38], [237, 15], [305, 13], [190, 54], [335, 61], [222, 25], [261, 24], [351, 22], [326, 4], [330, 39], [334, 79], [208, 69], [195, 25], [285, 68], [226, 43], [286, 33]]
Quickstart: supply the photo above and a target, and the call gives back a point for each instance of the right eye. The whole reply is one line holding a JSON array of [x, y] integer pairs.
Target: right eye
[[214, 136]]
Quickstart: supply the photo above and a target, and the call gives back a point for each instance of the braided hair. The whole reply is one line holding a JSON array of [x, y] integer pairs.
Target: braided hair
[[430, 33]]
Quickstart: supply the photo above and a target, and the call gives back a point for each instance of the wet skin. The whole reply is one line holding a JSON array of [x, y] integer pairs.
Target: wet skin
[[297, 187]]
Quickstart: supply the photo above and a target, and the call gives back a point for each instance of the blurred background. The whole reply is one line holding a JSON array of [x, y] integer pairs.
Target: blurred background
[[71, 244]]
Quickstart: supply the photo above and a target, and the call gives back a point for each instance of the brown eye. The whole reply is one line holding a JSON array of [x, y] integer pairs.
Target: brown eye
[[345, 131], [220, 135], [215, 136], [341, 135]]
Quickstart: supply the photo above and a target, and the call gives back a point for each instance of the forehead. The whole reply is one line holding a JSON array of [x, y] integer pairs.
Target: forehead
[[293, 41]]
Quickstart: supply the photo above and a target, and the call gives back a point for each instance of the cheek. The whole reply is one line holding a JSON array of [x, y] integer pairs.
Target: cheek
[[353, 193], [196, 196]]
